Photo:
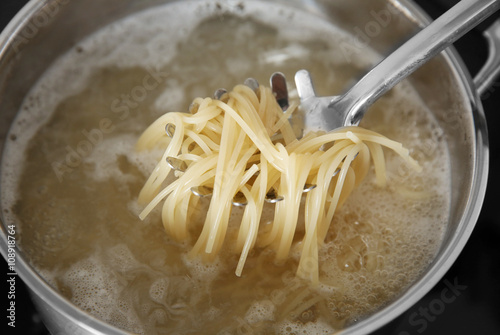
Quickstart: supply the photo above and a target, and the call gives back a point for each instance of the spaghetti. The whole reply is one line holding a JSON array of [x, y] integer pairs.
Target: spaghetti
[[244, 144]]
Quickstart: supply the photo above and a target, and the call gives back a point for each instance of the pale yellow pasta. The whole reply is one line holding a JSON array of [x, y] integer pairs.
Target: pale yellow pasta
[[245, 144]]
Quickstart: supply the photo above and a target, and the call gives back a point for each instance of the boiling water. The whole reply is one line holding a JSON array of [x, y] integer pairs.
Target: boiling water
[[71, 178]]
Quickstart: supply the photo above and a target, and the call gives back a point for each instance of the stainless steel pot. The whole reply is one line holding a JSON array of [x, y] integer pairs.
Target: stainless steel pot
[[43, 30]]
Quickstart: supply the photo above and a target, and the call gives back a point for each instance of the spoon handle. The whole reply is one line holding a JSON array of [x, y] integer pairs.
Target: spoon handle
[[412, 54]]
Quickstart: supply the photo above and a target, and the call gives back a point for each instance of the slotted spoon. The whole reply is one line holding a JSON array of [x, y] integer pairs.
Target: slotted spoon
[[329, 113]]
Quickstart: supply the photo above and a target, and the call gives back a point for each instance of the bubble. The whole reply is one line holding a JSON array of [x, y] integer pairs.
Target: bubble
[[158, 290], [260, 311]]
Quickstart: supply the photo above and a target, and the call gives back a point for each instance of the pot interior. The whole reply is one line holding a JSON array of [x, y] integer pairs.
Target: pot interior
[[43, 32]]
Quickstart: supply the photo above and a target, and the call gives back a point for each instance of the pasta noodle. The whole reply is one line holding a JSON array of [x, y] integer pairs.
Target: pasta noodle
[[244, 144]]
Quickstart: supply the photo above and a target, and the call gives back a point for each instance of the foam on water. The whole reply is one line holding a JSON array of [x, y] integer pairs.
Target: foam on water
[[149, 40], [357, 264]]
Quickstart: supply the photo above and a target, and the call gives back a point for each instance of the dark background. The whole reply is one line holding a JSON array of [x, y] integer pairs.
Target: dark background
[[476, 308]]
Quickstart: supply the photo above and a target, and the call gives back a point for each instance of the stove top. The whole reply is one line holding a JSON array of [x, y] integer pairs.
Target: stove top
[[467, 299]]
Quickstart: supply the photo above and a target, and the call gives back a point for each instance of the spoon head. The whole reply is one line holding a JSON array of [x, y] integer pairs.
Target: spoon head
[[202, 191], [280, 90], [319, 113], [176, 164]]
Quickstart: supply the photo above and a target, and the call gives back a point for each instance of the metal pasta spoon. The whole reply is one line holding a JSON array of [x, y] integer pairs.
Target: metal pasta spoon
[[329, 113]]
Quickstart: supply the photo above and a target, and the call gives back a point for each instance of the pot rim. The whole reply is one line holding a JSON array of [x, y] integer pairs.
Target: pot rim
[[37, 285]]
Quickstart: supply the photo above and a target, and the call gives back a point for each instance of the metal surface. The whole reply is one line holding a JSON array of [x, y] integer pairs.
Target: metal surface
[[329, 113], [486, 77], [176, 164]]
